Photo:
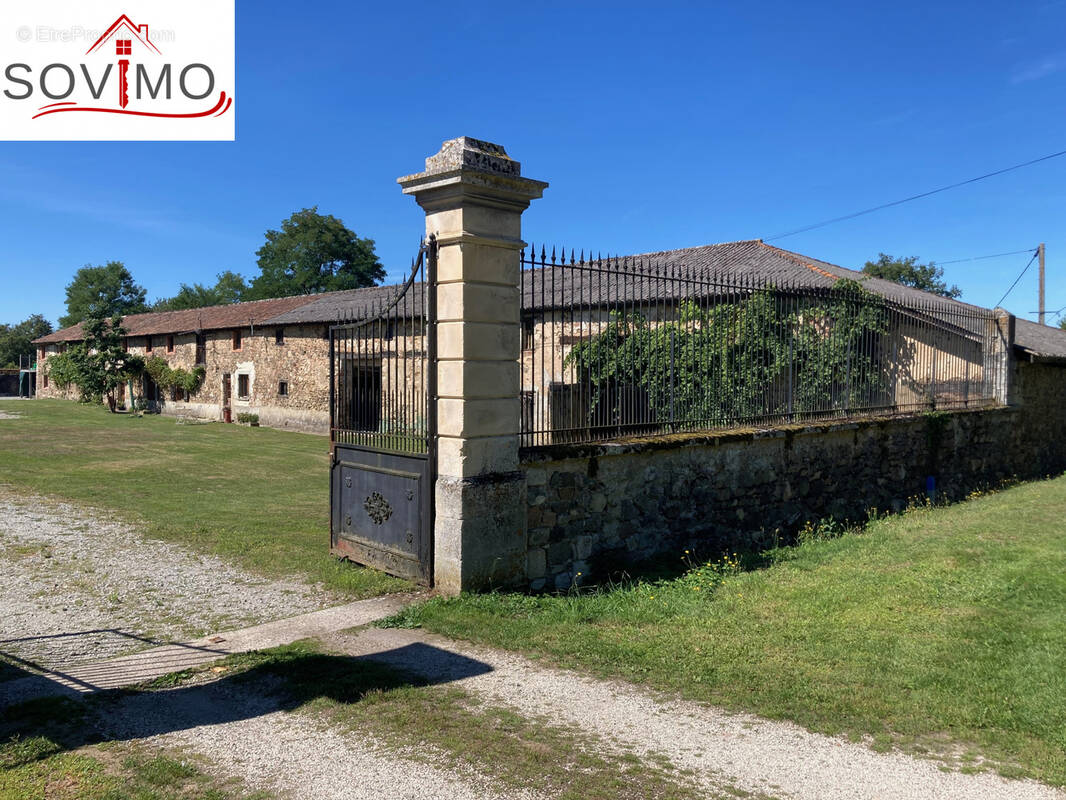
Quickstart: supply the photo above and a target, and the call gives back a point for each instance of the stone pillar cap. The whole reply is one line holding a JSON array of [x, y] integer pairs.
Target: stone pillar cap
[[476, 154], [471, 160]]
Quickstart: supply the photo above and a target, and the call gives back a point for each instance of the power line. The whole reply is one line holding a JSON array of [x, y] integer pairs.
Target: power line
[[914, 197], [1011, 289], [1053, 313], [982, 258]]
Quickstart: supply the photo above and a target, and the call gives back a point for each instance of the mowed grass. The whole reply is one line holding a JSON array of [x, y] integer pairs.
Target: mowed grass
[[254, 495], [942, 630]]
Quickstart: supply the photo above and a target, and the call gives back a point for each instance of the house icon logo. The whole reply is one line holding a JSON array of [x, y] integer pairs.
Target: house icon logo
[[124, 33], [127, 84]]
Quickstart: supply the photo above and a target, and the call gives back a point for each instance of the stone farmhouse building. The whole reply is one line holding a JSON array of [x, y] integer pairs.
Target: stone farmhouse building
[[271, 357]]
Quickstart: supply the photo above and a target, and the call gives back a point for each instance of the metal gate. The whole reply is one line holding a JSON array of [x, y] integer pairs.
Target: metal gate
[[383, 426]]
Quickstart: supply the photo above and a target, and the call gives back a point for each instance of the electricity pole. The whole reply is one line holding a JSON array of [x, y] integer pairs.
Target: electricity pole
[[1040, 252]]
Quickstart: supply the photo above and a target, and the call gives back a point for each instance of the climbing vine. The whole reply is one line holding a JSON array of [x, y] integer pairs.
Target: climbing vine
[[167, 377], [765, 355]]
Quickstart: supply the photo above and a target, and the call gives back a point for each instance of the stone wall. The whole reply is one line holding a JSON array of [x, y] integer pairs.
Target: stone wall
[[594, 509], [301, 360]]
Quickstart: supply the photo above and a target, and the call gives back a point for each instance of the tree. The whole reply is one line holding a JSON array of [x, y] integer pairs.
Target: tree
[[229, 288], [97, 365], [927, 277], [17, 340], [1062, 323], [102, 292], [314, 253]]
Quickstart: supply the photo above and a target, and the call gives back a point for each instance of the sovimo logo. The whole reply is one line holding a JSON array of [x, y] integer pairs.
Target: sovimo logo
[[126, 81]]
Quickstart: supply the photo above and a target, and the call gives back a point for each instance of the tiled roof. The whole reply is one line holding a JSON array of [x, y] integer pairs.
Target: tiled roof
[[348, 305], [1040, 341], [751, 260], [234, 315]]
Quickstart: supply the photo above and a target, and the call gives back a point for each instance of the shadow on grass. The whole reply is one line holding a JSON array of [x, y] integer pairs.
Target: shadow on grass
[[259, 683]]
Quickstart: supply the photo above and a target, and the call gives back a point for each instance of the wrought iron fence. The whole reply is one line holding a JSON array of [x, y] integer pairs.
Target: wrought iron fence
[[637, 347], [382, 382]]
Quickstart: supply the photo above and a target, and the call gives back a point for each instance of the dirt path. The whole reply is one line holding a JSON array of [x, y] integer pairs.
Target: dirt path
[[80, 587]]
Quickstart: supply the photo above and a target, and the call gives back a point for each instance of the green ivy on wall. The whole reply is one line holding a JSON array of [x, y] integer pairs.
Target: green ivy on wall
[[770, 353], [167, 377]]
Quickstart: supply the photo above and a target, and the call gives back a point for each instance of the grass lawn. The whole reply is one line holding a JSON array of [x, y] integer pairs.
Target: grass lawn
[[255, 495], [942, 630]]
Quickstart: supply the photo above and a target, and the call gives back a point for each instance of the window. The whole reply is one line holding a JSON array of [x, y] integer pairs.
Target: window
[[148, 344], [125, 344], [201, 348], [46, 380], [242, 387], [178, 394], [283, 388], [170, 344], [123, 47], [237, 339], [279, 336]]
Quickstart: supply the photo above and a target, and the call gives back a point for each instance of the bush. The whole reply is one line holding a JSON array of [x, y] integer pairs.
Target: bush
[[248, 419]]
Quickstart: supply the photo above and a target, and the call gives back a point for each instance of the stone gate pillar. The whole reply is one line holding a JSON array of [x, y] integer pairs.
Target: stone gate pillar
[[473, 195], [1000, 359]]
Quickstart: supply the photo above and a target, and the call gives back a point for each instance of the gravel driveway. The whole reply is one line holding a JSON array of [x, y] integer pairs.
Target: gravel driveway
[[248, 734], [79, 586]]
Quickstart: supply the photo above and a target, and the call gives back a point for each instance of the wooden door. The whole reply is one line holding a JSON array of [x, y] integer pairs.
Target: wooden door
[[227, 391]]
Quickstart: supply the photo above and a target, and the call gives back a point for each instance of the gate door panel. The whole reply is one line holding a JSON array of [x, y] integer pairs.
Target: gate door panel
[[383, 426], [379, 519]]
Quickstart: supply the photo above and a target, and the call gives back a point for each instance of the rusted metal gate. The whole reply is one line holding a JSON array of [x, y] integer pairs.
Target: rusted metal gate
[[383, 426]]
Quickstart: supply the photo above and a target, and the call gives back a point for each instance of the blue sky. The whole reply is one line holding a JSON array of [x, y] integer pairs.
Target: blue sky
[[657, 125]]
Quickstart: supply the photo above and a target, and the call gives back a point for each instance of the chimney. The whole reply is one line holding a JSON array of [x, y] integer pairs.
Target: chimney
[[143, 31]]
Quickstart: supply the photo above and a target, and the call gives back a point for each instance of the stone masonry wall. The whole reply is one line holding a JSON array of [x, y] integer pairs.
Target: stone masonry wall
[[301, 361], [598, 508]]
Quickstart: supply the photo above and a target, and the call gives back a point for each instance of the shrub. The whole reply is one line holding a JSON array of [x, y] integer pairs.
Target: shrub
[[248, 419]]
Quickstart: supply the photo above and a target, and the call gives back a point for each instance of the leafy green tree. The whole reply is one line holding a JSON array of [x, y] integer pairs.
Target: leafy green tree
[[229, 288], [99, 364], [1062, 323], [314, 253], [102, 292], [17, 340], [927, 277]]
